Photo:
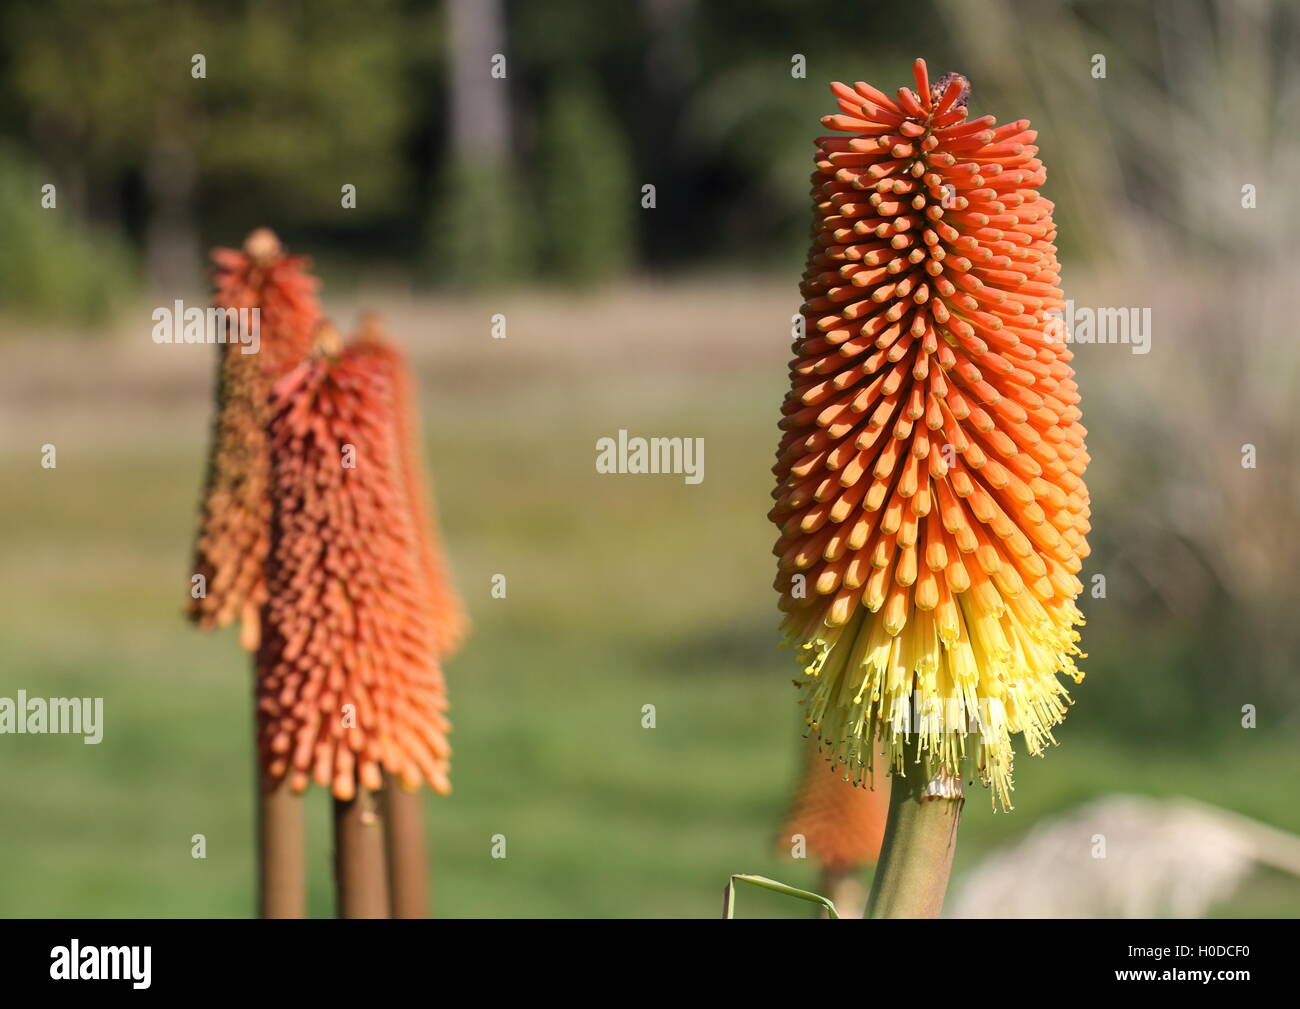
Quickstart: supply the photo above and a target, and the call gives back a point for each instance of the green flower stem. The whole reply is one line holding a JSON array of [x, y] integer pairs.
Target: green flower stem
[[920, 838]]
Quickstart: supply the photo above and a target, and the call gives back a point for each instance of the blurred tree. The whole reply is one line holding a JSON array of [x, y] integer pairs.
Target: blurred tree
[[588, 193], [670, 69], [51, 264], [482, 234], [399, 100], [481, 231], [97, 98], [291, 104]]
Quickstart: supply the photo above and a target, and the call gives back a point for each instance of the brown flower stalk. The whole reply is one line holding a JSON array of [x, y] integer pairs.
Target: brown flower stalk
[[408, 860], [360, 883]]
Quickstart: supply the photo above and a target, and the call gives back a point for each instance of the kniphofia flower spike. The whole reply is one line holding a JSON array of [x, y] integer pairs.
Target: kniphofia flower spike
[[450, 623], [929, 481], [232, 542], [842, 825], [349, 683]]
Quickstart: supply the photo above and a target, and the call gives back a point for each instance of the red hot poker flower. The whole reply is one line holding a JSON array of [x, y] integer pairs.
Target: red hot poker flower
[[929, 482], [841, 823], [450, 623], [349, 684], [231, 545]]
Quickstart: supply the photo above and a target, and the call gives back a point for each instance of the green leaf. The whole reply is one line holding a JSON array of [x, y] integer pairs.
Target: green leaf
[[729, 894]]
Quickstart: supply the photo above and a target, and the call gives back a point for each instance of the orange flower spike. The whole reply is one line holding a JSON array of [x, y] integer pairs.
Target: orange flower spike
[[232, 541], [349, 684], [263, 277], [932, 515], [842, 824], [450, 621]]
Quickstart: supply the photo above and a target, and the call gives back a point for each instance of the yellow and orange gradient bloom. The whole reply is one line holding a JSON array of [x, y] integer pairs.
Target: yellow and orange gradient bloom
[[929, 480]]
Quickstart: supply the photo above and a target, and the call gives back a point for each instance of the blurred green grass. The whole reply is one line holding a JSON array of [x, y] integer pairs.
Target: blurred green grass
[[622, 591]]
